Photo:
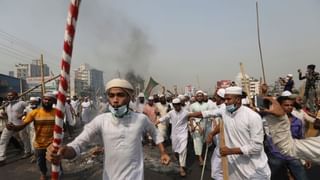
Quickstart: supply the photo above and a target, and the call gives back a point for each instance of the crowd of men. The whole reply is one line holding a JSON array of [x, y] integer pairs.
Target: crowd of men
[[261, 139]]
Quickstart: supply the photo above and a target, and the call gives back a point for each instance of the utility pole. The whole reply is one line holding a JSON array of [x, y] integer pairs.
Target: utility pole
[[21, 86]]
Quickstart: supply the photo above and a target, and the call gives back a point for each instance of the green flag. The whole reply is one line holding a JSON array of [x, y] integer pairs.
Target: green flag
[[151, 84]]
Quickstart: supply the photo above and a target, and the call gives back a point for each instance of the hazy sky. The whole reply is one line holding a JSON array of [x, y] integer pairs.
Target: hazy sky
[[174, 41]]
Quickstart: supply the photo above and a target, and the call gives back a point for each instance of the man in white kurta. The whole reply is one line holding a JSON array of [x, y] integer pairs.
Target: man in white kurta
[[122, 143], [14, 112], [163, 108], [86, 110], [199, 125], [178, 118], [243, 138], [121, 130], [216, 168], [140, 103]]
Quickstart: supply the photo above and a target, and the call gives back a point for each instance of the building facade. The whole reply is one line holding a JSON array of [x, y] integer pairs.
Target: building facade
[[9, 83], [88, 81], [254, 84], [30, 70]]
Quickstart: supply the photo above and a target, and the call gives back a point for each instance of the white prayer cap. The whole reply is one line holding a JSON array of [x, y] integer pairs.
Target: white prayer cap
[[141, 95], [286, 93], [34, 99], [199, 92], [176, 101], [181, 97], [150, 98], [234, 90], [221, 92], [244, 101], [49, 94], [205, 94], [120, 83], [289, 75], [55, 93], [68, 98], [161, 95]]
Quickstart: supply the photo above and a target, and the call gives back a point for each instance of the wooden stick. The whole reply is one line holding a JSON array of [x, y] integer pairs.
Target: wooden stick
[[204, 163], [35, 87], [259, 43], [43, 87], [224, 160]]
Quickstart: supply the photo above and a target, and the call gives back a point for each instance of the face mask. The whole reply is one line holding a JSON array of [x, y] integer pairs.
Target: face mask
[[231, 108], [119, 111]]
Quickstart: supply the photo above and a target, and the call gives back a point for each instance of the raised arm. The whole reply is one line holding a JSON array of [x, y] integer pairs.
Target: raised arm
[[279, 126], [300, 75]]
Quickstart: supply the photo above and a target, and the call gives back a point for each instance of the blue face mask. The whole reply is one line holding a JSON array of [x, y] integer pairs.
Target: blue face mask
[[231, 108], [119, 111]]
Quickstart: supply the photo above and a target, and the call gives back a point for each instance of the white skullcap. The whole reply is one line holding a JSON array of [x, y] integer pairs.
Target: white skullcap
[[235, 90], [49, 94], [55, 92], [181, 97], [150, 98], [176, 101], [199, 91], [221, 92], [245, 101], [290, 75], [34, 99], [286, 93], [141, 95], [205, 94], [120, 83], [68, 98]]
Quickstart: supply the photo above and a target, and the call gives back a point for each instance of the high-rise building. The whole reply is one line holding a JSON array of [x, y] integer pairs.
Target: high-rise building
[[30, 70], [254, 84], [88, 81]]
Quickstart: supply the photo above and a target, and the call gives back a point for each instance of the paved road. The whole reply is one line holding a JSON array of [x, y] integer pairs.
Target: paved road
[[17, 168]]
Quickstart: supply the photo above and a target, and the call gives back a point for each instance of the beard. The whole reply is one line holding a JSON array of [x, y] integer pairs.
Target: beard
[[47, 107], [298, 106]]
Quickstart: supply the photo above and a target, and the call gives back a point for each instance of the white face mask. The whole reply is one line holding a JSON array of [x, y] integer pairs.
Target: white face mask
[[119, 111]]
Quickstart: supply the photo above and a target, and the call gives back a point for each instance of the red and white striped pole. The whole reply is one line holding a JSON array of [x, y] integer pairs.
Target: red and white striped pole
[[64, 79]]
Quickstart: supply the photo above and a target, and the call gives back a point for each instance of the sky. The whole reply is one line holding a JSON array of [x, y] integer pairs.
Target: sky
[[177, 42]]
